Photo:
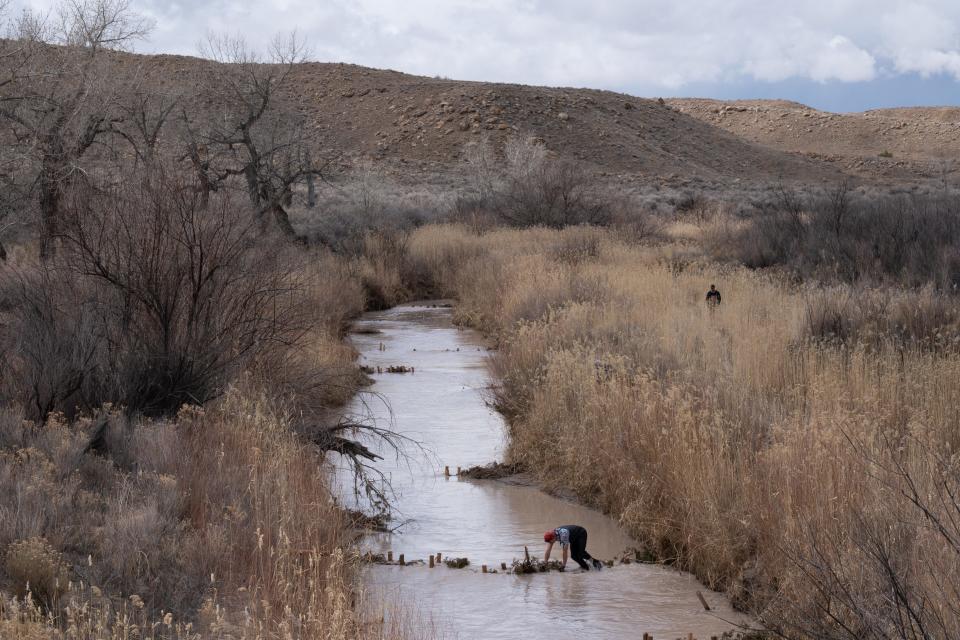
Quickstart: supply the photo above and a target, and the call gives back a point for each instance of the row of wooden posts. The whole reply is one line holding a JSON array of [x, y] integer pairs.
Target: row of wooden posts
[[435, 560]]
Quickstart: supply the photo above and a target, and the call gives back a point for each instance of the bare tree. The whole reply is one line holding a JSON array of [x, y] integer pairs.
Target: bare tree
[[144, 115], [532, 188], [255, 137], [481, 164], [56, 100], [153, 300], [539, 191]]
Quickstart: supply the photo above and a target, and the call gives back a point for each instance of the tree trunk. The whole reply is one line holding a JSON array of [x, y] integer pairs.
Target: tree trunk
[[311, 192], [53, 171], [50, 196], [283, 221]]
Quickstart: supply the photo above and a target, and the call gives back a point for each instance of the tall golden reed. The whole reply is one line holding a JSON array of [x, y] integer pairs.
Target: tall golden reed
[[809, 475]]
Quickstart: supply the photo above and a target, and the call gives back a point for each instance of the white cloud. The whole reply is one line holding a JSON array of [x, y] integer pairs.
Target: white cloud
[[841, 60], [648, 45], [927, 62], [921, 38]]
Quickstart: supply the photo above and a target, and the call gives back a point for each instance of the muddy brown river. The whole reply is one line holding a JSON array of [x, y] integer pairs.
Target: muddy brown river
[[442, 404]]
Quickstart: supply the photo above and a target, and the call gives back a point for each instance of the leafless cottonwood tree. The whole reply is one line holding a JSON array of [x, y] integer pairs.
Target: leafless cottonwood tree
[[533, 188], [56, 102], [256, 136]]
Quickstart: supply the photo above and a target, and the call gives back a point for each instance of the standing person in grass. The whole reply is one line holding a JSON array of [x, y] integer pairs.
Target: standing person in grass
[[572, 538], [713, 296]]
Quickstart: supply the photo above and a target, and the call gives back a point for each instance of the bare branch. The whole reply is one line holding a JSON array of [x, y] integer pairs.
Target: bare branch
[[96, 24]]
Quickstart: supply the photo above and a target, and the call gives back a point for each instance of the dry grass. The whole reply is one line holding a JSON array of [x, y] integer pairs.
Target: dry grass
[[812, 476], [227, 524]]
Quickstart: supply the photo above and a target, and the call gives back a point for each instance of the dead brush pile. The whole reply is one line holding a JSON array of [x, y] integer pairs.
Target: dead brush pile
[[530, 564], [811, 472], [492, 471]]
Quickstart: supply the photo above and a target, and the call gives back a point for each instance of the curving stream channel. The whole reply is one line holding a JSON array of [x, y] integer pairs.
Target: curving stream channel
[[442, 404]]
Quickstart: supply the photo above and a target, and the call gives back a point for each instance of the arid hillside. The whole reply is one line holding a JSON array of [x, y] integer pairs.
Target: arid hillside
[[417, 128], [917, 143], [424, 124]]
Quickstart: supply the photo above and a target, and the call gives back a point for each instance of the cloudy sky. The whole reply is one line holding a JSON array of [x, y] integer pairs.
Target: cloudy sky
[[842, 55]]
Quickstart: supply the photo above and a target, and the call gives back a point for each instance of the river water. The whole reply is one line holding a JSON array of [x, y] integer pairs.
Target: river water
[[442, 404]]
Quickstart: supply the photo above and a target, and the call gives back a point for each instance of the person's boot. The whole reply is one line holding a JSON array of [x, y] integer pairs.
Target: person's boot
[[597, 564]]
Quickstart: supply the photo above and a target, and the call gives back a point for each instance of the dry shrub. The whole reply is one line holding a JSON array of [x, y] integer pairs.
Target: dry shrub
[[848, 237], [554, 194], [474, 266], [154, 299], [574, 248], [41, 488], [316, 371], [809, 477], [88, 614], [845, 315], [530, 187], [51, 341], [126, 522], [436, 255], [227, 522], [36, 568], [332, 290], [382, 268], [832, 315]]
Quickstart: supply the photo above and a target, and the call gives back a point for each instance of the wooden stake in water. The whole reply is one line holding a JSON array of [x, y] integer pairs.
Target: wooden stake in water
[[431, 562], [503, 566], [438, 557], [402, 563], [483, 568], [446, 472], [703, 601], [389, 556]]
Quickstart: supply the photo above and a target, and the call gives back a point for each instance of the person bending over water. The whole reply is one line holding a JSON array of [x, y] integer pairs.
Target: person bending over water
[[573, 538]]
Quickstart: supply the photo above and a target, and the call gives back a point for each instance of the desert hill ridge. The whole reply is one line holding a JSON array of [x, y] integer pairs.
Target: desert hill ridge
[[906, 143], [415, 127]]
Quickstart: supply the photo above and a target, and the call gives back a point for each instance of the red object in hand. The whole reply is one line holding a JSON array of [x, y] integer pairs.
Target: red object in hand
[[549, 536]]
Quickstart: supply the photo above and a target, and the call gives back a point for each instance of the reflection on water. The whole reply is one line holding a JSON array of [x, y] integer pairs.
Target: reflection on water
[[442, 405]]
